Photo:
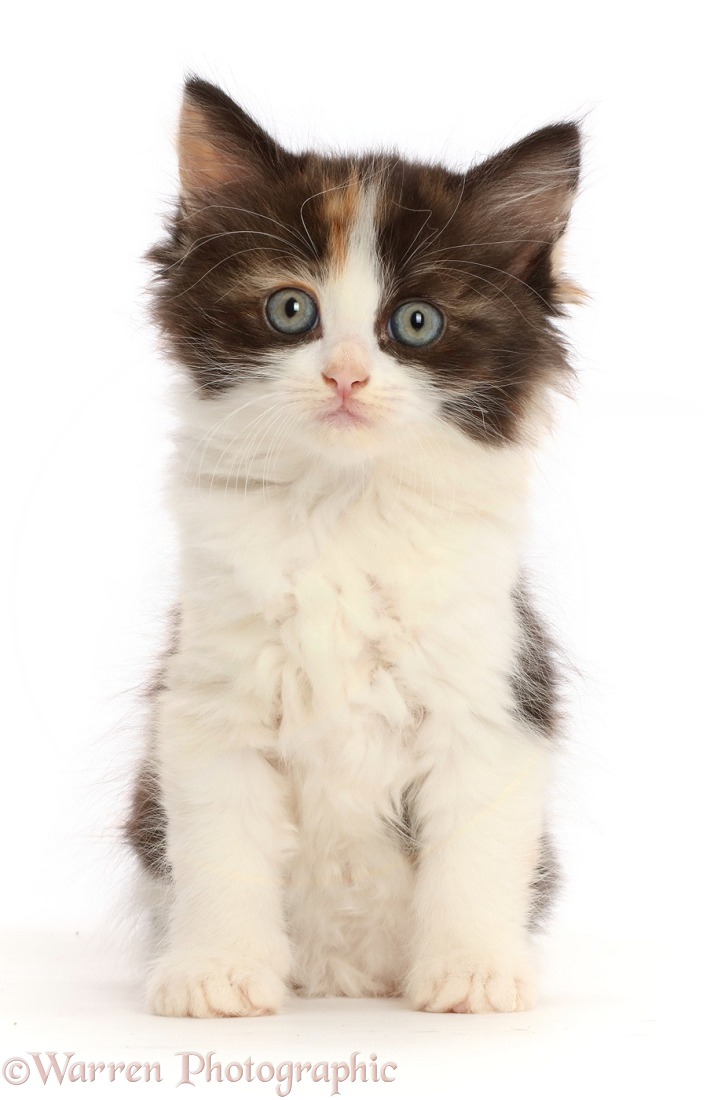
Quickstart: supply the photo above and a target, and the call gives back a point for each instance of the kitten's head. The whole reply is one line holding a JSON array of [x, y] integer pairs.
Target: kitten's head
[[361, 298]]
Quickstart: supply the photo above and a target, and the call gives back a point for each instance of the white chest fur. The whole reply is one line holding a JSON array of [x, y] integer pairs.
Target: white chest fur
[[335, 596]]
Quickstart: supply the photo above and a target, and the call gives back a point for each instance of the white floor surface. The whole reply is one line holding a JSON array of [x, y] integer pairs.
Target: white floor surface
[[604, 1028]]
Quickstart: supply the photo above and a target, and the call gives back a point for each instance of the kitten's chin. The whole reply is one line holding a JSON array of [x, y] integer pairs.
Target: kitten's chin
[[347, 437]]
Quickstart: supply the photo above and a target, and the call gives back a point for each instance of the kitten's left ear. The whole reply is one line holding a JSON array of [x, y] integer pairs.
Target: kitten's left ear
[[521, 200], [219, 144]]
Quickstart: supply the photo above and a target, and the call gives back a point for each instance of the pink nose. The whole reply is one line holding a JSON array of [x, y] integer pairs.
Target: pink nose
[[346, 376]]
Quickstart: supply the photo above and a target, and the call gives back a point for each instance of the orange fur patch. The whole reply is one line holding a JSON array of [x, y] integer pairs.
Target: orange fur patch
[[341, 205]]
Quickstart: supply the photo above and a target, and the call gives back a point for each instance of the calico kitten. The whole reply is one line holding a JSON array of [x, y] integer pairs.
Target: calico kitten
[[346, 785]]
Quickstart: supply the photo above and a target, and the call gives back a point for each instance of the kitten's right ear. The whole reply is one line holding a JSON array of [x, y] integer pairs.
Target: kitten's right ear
[[219, 144]]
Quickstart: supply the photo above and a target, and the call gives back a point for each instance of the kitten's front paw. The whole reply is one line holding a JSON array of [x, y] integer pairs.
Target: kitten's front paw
[[460, 985], [214, 987]]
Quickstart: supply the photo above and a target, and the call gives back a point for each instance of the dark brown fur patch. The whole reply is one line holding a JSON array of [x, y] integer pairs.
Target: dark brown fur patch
[[535, 689], [465, 244], [535, 679], [146, 827], [146, 824], [544, 884]]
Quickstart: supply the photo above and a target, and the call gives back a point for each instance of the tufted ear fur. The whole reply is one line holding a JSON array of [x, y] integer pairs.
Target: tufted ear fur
[[219, 144], [520, 201]]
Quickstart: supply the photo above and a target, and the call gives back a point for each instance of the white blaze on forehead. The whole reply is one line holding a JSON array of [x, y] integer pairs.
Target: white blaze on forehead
[[350, 295]]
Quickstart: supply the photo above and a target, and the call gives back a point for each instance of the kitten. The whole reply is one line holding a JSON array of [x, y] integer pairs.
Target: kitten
[[346, 786]]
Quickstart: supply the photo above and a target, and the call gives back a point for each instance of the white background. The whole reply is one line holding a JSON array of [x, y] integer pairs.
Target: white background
[[622, 512]]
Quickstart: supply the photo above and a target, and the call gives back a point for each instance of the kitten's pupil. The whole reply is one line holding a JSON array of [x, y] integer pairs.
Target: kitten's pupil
[[292, 307], [417, 319]]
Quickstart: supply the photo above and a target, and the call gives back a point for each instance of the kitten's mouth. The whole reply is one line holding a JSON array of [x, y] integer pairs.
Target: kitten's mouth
[[344, 414]]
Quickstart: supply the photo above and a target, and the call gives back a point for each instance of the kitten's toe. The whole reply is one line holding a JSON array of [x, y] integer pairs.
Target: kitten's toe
[[214, 987], [462, 986], [507, 993]]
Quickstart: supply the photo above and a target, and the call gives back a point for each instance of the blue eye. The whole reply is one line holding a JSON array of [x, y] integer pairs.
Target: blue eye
[[416, 324], [292, 311]]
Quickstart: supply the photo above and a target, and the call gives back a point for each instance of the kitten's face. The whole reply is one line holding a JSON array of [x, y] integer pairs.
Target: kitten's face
[[342, 305]]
